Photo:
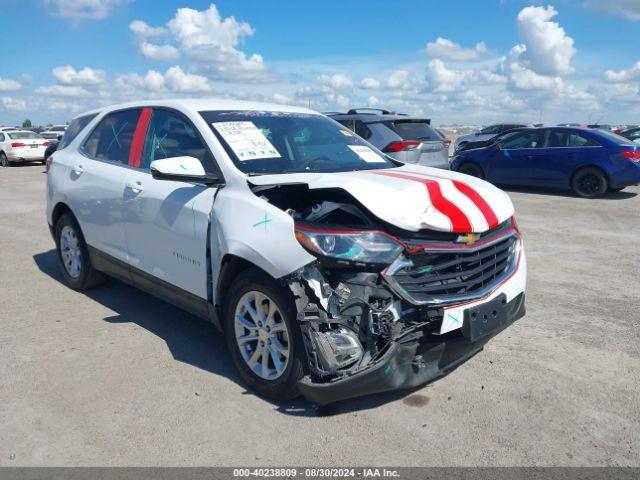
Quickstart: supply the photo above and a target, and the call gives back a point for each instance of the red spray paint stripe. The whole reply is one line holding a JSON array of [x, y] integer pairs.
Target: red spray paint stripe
[[137, 144], [459, 221], [481, 203]]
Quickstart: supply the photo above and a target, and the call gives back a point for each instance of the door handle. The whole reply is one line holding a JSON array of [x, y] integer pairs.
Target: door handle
[[78, 170], [135, 186]]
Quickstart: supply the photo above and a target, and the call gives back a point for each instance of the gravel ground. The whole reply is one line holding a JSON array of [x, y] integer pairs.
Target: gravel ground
[[117, 377]]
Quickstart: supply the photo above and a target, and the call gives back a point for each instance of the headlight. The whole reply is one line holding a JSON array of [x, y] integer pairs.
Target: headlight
[[351, 245]]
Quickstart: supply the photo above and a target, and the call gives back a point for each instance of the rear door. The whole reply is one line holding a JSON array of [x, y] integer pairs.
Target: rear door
[[95, 185], [511, 161], [565, 150], [167, 222]]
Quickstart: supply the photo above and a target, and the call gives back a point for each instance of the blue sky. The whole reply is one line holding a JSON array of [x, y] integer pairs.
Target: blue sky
[[464, 61]]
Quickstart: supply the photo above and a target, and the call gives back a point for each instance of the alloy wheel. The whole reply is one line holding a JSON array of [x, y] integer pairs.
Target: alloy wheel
[[589, 184], [261, 335], [70, 251]]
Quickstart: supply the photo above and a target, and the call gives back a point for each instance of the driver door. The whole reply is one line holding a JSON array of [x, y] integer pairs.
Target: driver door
[[513, 159], [167, 222]]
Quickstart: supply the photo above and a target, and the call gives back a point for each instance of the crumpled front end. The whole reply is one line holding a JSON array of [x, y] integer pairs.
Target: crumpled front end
[[384, 308]]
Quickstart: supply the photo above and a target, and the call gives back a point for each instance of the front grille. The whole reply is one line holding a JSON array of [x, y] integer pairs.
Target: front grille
[[440, 276]]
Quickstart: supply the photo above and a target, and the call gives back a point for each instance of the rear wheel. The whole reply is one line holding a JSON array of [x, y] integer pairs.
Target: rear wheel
[[616, 189], [589, 182], [4, 161], [73, 255], [262, 335], [471, 169]]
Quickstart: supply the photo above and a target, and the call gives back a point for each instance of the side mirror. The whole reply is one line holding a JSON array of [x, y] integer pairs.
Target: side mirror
[[182, 169]]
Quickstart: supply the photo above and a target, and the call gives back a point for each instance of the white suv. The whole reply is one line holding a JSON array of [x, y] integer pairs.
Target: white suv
[[332, 269]]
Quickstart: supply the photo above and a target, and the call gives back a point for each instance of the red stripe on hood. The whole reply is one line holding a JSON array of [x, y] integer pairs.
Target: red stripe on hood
[[459, 221], [475, 197], [481, 203]]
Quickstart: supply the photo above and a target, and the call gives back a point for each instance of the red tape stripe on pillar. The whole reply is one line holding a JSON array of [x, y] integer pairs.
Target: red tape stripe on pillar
[[459, 221], [137, 144], [481, 203]]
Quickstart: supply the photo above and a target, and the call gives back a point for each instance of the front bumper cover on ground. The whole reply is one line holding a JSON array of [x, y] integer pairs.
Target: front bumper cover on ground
[[410, 364]]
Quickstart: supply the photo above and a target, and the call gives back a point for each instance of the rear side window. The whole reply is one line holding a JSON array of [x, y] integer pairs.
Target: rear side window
[[575, 140], [362, 130], [1, 137], [111, 139], [414, 130], [74, 129], [523, 140], [168, 135], [633, 134]]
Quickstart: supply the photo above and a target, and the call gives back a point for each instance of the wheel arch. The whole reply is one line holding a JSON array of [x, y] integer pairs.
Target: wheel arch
[[60, 209], [475, 164], [590, 165]]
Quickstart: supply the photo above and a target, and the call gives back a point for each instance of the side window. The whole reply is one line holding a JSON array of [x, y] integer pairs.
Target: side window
[[361, 129], [523, 140], [575, 140], [556, 139], [168, 135], [348, 124], [490, 130], [74, 129], [1, 137], [111, 139]]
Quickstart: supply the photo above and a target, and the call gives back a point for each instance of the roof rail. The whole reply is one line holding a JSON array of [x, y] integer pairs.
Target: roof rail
[[332, 113], [354, 111]]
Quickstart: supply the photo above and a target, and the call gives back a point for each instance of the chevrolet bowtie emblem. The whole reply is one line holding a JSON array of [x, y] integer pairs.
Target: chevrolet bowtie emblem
[[468, 238]]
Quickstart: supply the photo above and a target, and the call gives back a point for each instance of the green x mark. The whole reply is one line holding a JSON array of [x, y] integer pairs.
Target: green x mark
[[455, 319], [263, 222]]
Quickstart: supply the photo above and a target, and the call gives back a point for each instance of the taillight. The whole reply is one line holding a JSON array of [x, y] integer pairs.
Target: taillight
[[633, 155], [47, 164], [46, 144], [401, 146], [17, 144], [446, 142]]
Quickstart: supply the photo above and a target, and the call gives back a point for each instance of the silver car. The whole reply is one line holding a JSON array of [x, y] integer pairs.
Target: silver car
[[485, 134], [407, 139]]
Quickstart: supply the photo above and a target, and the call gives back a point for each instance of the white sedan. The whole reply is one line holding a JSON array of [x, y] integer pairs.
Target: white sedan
[[21, 146]]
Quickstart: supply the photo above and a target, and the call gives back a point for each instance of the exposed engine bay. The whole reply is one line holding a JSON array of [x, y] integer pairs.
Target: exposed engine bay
[[348, 314]]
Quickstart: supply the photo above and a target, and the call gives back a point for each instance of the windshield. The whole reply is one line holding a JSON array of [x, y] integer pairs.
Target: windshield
[[281, 142], [23, 135]]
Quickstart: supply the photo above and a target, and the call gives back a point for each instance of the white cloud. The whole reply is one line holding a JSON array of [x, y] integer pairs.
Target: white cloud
[[626, 8], [87, 9], [369, 83], [65, 106], [154, 81], [373, 101], [400, 79], [67, 75], [338, 81], [627, 75], [441, 79], [64, 91], [144, 31], [446, 49], [13, 104], [7, 84], [547, 48], [164, 53], [179, 81], [283, 99]]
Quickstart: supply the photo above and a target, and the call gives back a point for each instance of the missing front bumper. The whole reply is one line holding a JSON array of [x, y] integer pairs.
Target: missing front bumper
[[410, 364]]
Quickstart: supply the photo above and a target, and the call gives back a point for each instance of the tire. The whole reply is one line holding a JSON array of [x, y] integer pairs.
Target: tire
[[4, 161], [73, 255], [616, 189], [280, 382], [471, 169], [590, 182]]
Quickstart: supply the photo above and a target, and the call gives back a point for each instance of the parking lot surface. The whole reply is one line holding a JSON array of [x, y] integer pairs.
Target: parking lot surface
[[116, 377]]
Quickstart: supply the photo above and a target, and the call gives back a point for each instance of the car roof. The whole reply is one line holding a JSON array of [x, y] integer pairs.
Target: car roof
[[375, 118], [205, 104]]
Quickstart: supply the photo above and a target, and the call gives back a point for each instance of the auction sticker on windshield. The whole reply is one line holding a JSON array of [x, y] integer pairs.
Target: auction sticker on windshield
[[366, 154], [246, 140]]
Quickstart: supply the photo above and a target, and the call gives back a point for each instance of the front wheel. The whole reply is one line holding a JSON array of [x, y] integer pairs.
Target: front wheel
[[472, 169], [589, 182], [263, 337]]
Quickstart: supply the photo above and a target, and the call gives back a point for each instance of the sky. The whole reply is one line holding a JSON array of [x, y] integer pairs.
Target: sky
[[466, 62]]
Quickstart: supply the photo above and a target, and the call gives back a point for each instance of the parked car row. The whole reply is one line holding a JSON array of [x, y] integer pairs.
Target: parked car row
[[21, 146]]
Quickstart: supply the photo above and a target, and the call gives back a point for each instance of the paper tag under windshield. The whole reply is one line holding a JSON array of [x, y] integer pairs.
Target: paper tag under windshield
[[366, 154], [246, 140]]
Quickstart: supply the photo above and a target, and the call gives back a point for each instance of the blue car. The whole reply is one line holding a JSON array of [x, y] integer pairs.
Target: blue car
[[590, 162]]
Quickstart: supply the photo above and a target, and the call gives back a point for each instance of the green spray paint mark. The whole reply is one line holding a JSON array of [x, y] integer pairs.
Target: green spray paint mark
[[352, 253], [263, 222], [388, 369], [425, 269], [455, 319]]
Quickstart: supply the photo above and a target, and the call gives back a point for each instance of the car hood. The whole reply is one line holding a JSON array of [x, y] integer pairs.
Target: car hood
[[413, 197]]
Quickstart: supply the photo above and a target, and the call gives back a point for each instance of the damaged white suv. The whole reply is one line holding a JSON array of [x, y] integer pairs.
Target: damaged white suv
[[333, 270]]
